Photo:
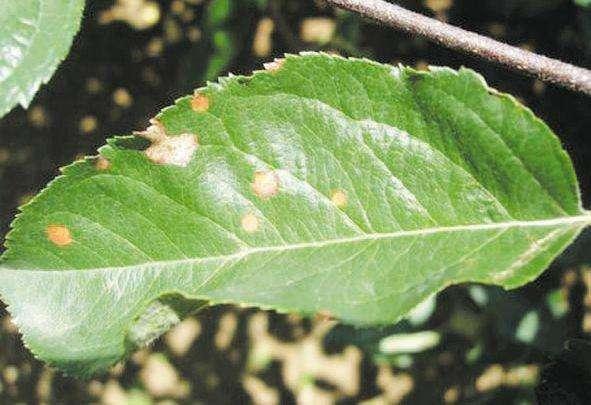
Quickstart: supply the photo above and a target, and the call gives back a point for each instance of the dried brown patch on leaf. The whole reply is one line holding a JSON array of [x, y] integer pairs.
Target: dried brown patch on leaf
[[339, 198], [59, 235], [102, 163], [154, 133], [250, 223], [274, 66], [176, 151], [168, 150], [265, 184], [200, 103]]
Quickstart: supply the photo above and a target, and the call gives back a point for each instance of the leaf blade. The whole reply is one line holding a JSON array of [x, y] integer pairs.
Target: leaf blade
[[35, 37], [354, 213]]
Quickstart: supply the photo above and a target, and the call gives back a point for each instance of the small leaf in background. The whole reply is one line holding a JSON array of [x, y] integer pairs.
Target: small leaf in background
[[528, 327], [478, 294], [422, 312], [557, 303], [35, 36], [323, 185], [410, 342]]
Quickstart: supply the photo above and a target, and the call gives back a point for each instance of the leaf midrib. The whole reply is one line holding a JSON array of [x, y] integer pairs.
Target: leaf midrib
[[579, 220]]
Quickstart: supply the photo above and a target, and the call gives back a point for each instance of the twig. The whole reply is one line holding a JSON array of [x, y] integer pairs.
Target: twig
[[542, 67]]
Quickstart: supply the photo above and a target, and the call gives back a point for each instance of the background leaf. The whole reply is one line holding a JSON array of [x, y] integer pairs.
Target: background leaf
[[35, 35], [321, 185]]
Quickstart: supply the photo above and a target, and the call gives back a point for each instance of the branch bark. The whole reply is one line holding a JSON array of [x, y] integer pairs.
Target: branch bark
[[542, 67]]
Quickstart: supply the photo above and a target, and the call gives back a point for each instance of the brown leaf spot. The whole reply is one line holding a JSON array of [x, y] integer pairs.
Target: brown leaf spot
[[250, 223], [173, 150], [274, 66], [59, 235], [102, 163], [339, 198], [265, 184], [154, 133], [168, 150], [200, 103]]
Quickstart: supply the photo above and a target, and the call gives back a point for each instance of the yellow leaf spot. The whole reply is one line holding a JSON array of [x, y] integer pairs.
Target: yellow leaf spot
[[59, 235], [339, 198], [102, 163], [250, 223], [200, 103], [265, 184]]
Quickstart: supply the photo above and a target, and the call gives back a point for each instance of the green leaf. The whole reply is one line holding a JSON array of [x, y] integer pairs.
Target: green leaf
[[583, 3], [35, 36], [323, 184]]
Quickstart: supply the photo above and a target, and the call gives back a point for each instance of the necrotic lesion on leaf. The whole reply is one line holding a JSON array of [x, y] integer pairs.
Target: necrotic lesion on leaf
[[175, 150]]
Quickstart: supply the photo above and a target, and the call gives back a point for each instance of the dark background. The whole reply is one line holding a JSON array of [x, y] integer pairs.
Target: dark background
[[117, 76]]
